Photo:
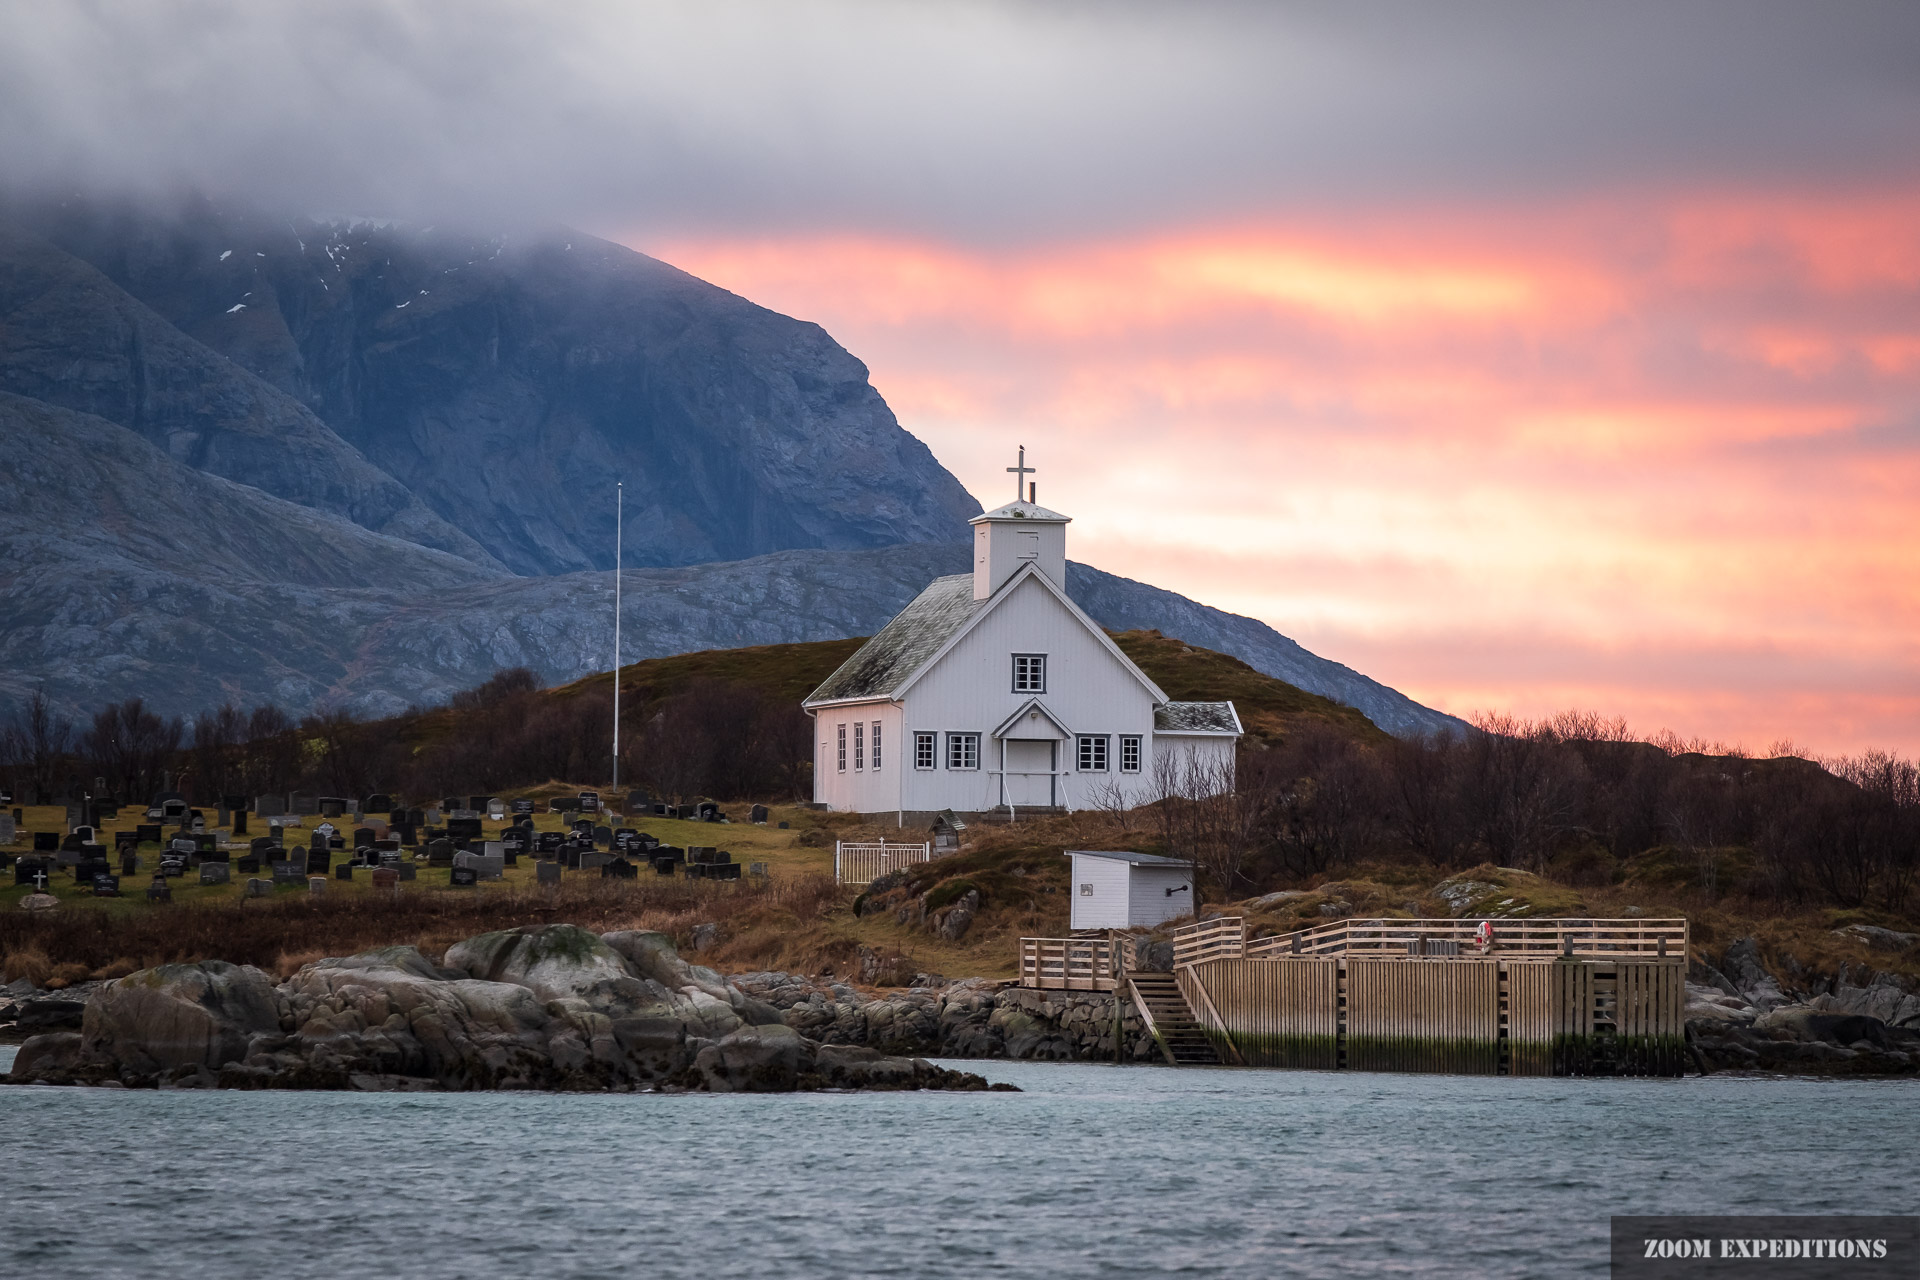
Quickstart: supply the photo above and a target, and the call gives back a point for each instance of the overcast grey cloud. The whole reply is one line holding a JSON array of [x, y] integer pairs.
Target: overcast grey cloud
[[975, 120]]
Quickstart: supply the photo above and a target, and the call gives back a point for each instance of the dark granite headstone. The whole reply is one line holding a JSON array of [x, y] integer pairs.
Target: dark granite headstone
[[440, 853], [546, 872], [214, 873], [378, 802], [619, 869], [464, 828], [106, 886], [663, 866], [239, 822], [408, 871], [757, 815], [159, 891], [343, 872], [245, 865], [464, 877]]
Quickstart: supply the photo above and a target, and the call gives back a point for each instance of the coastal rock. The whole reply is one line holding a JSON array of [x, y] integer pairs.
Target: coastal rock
[[545, 1007], [182, 1016], [1877, 938], [1743, 967], [55, 1053]]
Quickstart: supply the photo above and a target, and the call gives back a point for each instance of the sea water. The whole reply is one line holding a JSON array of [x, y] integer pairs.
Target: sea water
[[1091, 1171]]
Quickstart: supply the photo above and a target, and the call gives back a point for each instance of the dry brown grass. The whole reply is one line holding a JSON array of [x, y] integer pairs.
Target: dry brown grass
[[30, 963]]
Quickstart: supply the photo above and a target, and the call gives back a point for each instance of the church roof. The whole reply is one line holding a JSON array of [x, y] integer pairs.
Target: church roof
[[904, 645], [1023, 511], [1196, 717]]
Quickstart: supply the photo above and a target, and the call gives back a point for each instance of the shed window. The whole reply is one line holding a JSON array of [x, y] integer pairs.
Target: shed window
[[1130, 753], [923, 751], [1093, 753], [1086, 889], [963, 751], [1029, 673]]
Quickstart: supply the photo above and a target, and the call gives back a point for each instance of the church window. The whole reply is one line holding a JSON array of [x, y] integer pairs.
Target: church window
[[923, 751], [876, 744], [1029, 673], [963, 751], [859, 745], [1130, 753], [843, 748], [1093, 753]]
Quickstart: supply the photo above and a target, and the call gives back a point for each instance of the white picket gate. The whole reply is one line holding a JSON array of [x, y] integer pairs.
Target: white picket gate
[[866, 861]]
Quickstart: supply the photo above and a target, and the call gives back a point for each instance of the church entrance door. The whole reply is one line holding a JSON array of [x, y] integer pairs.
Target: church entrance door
[[1030, 765]]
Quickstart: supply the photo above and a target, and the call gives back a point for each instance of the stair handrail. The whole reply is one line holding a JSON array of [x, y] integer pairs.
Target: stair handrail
[[1222, 938]]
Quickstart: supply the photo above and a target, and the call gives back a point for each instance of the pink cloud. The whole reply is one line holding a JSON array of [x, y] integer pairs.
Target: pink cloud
[[1673, 445]]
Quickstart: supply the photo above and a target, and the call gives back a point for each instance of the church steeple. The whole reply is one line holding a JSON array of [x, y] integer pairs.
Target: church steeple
[[1022, 532]]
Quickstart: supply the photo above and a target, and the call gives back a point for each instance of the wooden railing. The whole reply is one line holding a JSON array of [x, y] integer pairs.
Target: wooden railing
[[864, 863], [1511, 939], [1221, 939], [1074, 964]]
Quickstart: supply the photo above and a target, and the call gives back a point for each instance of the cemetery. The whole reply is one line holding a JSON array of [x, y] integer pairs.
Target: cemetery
[[113, 856]]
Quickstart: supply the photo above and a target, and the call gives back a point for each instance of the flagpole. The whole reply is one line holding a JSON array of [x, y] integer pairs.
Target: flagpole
[[619, 522]]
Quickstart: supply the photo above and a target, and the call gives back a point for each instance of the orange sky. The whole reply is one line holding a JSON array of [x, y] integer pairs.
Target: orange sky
[[1653, 457]]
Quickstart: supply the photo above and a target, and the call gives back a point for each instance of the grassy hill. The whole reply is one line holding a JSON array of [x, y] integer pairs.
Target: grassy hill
[[1269, 708]]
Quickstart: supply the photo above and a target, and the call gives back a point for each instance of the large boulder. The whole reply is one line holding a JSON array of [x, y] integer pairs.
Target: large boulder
[[553, 961], [181, 1017]]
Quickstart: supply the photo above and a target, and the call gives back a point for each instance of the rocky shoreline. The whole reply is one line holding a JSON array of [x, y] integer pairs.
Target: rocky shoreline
[[560, 1008], [553, 1007]]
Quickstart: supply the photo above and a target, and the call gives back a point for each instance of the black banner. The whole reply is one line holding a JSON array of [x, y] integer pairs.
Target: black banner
[[1788, 1247]]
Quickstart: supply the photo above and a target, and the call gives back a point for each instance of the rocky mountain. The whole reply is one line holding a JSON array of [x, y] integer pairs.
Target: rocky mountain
[[317, 495], [507, 381]]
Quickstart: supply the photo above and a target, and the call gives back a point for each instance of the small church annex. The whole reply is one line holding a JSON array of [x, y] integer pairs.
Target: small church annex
[[992, 692]]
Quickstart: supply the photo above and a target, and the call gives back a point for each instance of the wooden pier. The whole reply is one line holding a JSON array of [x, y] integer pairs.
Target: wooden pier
[[1536, 997]]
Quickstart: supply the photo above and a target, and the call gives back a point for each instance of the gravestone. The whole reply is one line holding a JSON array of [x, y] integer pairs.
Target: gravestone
[[758, 815], [89, 867], [783, 826], [523, 808], [603, 836], [260, 844], [257, 888], [332, 807], [298, 858], [29, 870], [238, 804], [663, 866], [7, 829], [491, 866], [46, 842], [198, 826], [559, 805], [408, 871], [287, 873], [149, 833], [270, 807], [593, 860], [386, 877], [496, 811], [416, 817], [619, 869], [106, 886], [318, 862], [173, 811], [378, 802], [364, 836], [239, 822], [215, 855], [343, 872], [463, 828], [547, 872], [247, 865], [464, 877], [440, 853], [159, 891], [638, 802], [214, 873], [316, 885], [589, 802], [129, 863]]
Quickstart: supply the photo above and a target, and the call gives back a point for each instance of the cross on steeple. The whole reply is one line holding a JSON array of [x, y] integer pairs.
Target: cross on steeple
[[1020, 475]]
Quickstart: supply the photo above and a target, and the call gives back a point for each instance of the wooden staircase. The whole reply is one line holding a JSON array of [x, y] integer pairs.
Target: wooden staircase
[[1170, 1021]]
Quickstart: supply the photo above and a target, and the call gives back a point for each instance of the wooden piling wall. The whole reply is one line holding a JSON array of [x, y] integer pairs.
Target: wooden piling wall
[[1284, 1014], [1466, 1015]]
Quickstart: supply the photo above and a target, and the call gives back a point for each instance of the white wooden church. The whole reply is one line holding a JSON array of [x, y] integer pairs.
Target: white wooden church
[[992, 691]]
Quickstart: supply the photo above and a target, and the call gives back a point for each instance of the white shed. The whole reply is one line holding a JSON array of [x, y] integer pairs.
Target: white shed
[[1128, 890]]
